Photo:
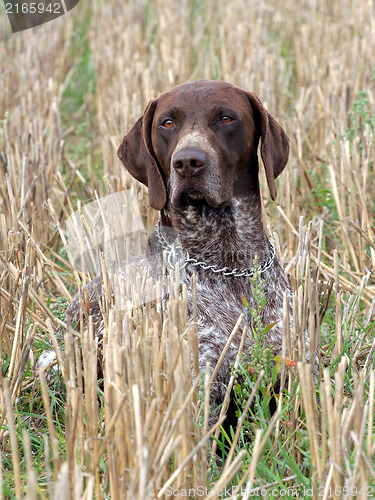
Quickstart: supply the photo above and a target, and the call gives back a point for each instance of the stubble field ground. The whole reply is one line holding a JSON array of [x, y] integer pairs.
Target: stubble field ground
[[69, 92]]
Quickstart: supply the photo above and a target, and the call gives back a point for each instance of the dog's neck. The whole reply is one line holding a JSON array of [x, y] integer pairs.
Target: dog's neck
[[226, 236]]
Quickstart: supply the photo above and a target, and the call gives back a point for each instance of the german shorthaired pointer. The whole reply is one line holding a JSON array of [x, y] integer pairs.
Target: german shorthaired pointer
[[195, 147]]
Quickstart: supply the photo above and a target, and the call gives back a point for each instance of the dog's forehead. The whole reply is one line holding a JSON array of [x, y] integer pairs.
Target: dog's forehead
[[202, 92]]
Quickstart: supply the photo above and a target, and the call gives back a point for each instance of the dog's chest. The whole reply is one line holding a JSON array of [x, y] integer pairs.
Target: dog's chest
[[219, 302], [219, 305]]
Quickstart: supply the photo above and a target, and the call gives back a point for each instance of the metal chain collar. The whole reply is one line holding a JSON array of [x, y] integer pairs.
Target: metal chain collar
[[176, 251]]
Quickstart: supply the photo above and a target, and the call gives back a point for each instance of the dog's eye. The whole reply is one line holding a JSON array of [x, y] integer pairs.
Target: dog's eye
[[226, 119], [168, 123]]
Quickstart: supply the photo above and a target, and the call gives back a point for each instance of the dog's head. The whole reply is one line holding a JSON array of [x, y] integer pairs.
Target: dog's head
[[198, 142]]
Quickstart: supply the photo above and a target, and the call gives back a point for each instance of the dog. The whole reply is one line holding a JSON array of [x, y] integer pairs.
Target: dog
[[196, 149]]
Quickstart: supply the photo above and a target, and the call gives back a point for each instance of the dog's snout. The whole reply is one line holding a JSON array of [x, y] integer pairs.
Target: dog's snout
[[188, 162]]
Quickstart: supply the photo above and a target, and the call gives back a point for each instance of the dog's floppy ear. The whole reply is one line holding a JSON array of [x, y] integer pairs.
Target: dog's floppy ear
[[138, 157], [275, 143]]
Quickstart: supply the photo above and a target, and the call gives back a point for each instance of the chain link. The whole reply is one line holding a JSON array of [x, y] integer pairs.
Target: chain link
[[176, 251]]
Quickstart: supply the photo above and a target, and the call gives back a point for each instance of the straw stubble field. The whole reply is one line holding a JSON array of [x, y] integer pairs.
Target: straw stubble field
[[70, 90]]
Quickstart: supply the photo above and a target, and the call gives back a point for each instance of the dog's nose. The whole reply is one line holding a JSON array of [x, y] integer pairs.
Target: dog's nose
[[188, 162]]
